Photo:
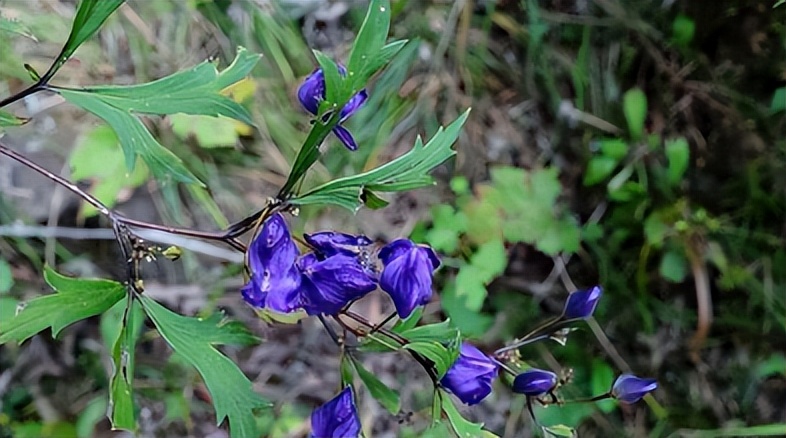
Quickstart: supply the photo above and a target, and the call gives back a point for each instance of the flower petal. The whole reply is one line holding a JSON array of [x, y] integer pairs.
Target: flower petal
[[312, 91], [346, 137], [534, 382], [336, 281], [353, 104], [581, 304], [407, 274], [338, 418], [471, 376], [330, 243], [630, 389]]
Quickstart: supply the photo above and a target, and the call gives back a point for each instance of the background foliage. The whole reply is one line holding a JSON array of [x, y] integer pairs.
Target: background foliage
[[637, 145]]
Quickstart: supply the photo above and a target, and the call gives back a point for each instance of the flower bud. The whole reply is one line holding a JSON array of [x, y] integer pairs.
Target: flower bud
[[534, 382], [581, 304], [471, 376], [630, 389]]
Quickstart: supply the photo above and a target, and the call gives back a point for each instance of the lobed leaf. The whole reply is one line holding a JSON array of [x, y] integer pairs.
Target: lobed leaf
[[74, 300], [195, 339]]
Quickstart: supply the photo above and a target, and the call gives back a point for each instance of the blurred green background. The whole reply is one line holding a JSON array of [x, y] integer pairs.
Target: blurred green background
[[637, 145]]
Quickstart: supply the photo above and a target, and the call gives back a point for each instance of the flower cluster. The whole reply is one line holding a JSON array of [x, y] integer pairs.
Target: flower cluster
[[339, 270]]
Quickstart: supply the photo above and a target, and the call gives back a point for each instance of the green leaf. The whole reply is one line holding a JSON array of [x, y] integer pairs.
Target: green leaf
[[674, 266], [97, 158], [15, 26], [8, 119], [438, 332], [560, 431], [598, 169], [778, 103], [682, 30], [443, 357], [678, 154], [461, 426], [368, 52], [209, 132], [634, 105], [195, 339], [91, 415], [409, 322], [196, 91], [406, 172], [74, 300], [381, 392], [121, 328]]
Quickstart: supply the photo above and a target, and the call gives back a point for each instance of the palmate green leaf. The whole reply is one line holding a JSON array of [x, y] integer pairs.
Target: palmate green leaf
[[195, 339], [74, 300], [406, 172], [121, 328], [196, 91], [386, 396]]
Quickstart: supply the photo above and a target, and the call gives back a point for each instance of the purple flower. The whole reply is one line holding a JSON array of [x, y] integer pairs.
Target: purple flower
[[534, 382], [471, 375], [338, 418], [630, 389], [275, 281], [312, 92], [284, 282], [330, 243], [329, 285], [407, 274], [581, 304]]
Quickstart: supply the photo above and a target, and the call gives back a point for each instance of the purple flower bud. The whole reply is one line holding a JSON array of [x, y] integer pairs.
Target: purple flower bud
[[471, 376], [581, 304], [407, 274], [534, 382], [275, 281], [330, 284], [312, 92], [330, 243], [338, 418], [630, 389]]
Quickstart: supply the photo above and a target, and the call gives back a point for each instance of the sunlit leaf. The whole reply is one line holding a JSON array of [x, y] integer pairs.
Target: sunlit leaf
[[678, 153], [195, 340], [634, 105], [73, 300]]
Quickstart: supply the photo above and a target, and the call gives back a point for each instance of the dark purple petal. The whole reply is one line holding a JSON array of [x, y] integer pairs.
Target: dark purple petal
[[407, 276], [338, 418], [331, 284], [345, 137], [471, 376], [581, 304], [630, 389], [329, 243], [271, 259], [352, 105], [534, 382], [312, 91]]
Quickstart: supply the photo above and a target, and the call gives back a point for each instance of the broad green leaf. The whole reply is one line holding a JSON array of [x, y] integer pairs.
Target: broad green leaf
[[196, 91], [634, 105], [461, 426], [75, 299], [678, 153], [598, 169], [674, 266], [97, 158], [194, 339], [8, 308], [386, 396], [616, 148], [90, 15], [439, 332], [601, 379], [8, 119], [406, 172], [470, 287], [121, 328], [15, 26], [443, 357]]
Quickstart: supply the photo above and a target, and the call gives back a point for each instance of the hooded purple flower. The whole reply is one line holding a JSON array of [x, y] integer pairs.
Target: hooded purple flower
[[534, 382], [338, 418], [471, 376], [330, 243], [630, 389], [581, 304], [329, 285], [282, 282], [275, 281], [407, 274], [312, 92]]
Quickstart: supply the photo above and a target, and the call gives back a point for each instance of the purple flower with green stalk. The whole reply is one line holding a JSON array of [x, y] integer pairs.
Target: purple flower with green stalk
[[312, 91], [407, 275], [581, 304], [471, 375], [630, 389], [338, 418]]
